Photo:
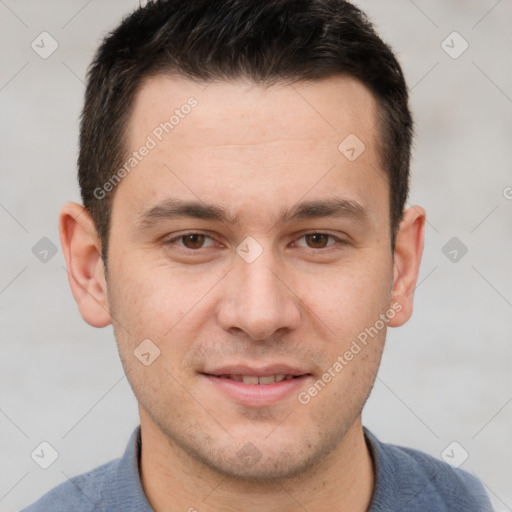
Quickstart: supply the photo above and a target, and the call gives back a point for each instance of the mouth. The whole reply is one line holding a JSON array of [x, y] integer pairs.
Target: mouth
[[263, 380], [257, 387]]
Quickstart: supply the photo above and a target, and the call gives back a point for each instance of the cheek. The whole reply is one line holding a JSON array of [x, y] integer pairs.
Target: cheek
[[154, 300], [351, 298], [148, 305], [351, 305], [151, 297]]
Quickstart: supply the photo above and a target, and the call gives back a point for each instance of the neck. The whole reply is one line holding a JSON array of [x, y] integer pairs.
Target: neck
[[173, 481]]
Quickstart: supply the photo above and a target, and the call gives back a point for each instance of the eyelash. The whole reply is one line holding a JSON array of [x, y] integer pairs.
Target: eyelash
[[337, 240]]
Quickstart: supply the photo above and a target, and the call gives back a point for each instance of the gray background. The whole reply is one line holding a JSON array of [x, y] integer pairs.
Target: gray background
[[445, 376]]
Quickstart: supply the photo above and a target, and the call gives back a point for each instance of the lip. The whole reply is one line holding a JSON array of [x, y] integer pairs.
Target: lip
[[274, 369], [258, 395]]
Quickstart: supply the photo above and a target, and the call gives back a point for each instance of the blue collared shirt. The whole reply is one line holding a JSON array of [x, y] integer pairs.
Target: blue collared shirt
[[405, 480]]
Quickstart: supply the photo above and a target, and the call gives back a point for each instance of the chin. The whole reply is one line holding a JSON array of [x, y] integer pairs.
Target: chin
[[263, 468], [254, 458]]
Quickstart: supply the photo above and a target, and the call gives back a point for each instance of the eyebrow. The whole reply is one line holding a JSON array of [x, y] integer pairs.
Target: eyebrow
[[173, 208]]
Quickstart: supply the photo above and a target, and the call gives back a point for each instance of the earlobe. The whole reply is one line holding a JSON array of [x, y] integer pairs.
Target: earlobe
[[406, 262], [82, 250]]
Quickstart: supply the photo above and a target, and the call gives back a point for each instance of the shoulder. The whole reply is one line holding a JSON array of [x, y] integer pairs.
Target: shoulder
[[87, 492], [421, 482]]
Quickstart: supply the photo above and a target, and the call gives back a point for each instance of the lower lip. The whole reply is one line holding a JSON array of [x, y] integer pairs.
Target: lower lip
[[258, 394]]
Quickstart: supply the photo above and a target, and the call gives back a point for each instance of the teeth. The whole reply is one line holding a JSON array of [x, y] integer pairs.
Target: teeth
[[254, 379], [250, 379]]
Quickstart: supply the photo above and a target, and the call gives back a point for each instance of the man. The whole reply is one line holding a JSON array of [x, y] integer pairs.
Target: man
[[244, 168]]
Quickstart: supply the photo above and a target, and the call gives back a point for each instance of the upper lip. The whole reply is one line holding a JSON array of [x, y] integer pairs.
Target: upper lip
[[262, 371]]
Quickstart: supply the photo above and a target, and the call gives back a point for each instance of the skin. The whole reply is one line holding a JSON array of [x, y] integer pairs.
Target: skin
[[256, 152]]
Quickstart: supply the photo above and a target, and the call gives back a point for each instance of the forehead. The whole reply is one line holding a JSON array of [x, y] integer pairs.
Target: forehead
[[234, 141], [241, 111]]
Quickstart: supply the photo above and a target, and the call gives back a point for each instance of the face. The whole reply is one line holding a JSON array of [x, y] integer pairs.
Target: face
[[245, 244]]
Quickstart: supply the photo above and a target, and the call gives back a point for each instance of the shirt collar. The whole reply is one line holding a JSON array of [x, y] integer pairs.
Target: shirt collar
[[129, 493]]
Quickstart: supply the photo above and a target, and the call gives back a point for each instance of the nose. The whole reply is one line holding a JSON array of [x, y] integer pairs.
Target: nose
[[258, 300]]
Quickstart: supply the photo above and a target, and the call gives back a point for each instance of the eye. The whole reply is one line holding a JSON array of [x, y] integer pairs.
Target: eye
[[319, 240], [192, 241]]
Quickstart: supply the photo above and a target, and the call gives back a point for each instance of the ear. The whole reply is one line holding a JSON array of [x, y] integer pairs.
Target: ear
[[86, 273], [406, 263]]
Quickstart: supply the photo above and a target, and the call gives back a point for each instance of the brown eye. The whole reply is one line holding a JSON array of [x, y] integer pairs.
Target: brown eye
[[193, 241], [317, 240]]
